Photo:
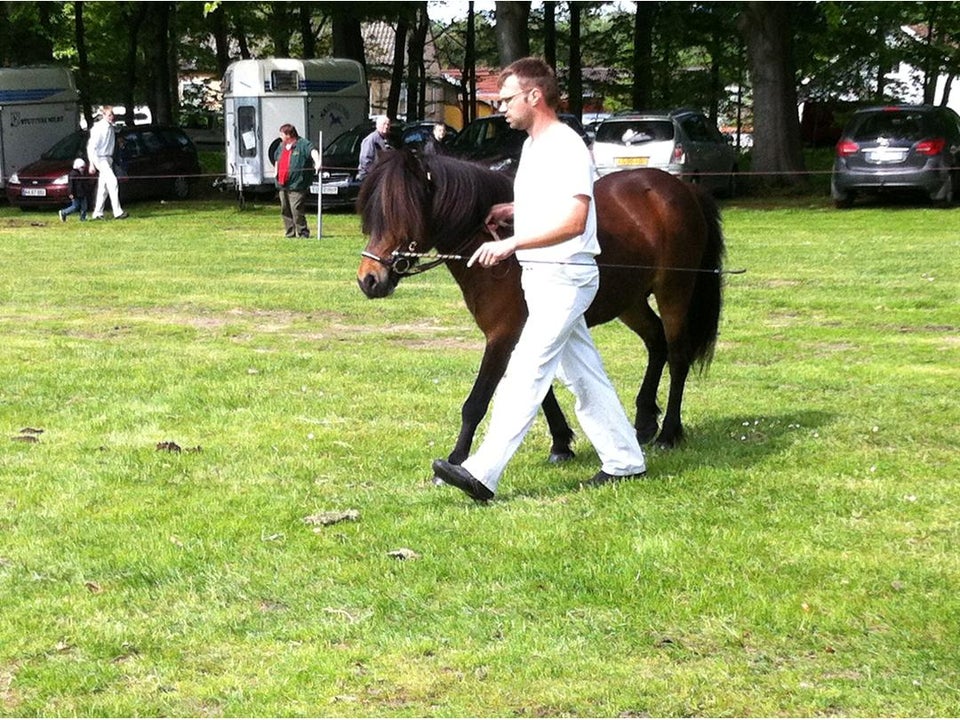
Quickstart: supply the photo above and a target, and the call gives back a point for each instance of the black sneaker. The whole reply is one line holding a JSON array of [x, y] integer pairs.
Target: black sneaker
[[460, 477], [602, 478]]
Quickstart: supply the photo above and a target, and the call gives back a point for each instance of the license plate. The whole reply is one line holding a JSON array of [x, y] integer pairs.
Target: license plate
[[632, 161], [329, 189], [33, 192], [886, 155]]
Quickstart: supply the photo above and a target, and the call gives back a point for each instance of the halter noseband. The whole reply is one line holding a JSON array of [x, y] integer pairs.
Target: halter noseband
[[403, 264]]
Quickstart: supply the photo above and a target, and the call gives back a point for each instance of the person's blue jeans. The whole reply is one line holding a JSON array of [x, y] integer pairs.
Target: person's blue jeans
[[78, 204]]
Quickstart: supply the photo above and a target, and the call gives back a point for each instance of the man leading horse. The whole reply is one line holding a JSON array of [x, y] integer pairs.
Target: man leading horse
[[555, 241]]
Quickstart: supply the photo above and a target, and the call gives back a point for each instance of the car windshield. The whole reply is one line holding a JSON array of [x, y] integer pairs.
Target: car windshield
[[346, 143], [68, 148], [631, 132], [902, 125], [478, 134]]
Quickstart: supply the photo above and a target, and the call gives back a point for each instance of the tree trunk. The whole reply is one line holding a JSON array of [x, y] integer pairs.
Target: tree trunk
[[240, 34], [280, 28], [416, 72], [306, 32], [777, 152], [396, 77], [348, 38], [157, 74], [513, 37], [575, 84], [550, 33], [83, 64], [469, 74], [221, 38], [643, 54], [929, 67], [137, 14]]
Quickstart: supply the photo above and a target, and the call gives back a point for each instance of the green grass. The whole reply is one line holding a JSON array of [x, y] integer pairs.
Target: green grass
[[795, 557]]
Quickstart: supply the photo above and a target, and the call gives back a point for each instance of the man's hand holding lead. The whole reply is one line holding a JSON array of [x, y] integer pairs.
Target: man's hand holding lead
[[491, 253]]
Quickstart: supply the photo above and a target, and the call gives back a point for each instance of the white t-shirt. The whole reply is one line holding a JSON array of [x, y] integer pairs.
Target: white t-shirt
[[555, 167], [102, 139]]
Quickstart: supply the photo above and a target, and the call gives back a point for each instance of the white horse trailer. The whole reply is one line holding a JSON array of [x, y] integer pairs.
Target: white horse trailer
[[327, 95], [38, 106]]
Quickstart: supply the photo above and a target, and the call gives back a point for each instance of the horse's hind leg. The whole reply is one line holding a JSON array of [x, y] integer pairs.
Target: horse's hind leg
[[672, 432], [560, 431], [645, 323], [678, 358]]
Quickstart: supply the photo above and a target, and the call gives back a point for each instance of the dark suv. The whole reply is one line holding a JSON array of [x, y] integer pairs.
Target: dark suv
[[898, 148], [493, 142], [150, 161]]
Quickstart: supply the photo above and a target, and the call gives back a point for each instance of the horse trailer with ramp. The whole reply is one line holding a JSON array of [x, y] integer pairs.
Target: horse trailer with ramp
[[326, 95], [38, 106]]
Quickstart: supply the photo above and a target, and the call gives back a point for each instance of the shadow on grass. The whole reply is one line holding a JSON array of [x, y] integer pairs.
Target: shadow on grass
[[730, 443]]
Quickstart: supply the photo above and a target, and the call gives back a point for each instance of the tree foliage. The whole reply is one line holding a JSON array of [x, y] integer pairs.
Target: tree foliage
[[653, 54]]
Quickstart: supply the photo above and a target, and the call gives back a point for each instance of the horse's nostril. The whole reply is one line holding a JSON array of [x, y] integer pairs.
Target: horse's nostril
[[369, 285]]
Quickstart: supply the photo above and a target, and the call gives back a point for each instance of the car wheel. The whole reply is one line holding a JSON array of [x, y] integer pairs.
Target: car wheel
[[181, 188], [732, 182], [843, 201], [947, 195]]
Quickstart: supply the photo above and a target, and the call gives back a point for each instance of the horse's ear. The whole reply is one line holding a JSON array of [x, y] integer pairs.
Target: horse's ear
[[423, 163]]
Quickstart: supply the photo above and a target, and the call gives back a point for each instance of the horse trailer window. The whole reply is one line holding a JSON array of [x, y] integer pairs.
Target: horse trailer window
[[285, 80], [247, 130]]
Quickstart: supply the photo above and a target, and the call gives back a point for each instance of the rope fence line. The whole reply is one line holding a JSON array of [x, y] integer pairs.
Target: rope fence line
[[739, 173]]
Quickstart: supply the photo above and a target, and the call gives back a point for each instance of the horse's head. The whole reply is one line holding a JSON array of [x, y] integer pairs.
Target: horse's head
[[414, 204], [394, 205]]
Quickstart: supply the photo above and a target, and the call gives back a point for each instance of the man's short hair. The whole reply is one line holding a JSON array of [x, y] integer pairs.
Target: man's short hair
[[533, 72]]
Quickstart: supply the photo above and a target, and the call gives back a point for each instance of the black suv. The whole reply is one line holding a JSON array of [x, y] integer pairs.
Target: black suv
[[493, 142], [338, 185], [898, 148]]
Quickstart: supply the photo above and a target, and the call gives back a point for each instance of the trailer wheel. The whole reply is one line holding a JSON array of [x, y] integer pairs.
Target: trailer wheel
[[273, 149], [181, 188]]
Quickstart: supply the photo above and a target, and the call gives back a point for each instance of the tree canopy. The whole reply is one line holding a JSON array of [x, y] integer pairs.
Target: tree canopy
[[716, 56]]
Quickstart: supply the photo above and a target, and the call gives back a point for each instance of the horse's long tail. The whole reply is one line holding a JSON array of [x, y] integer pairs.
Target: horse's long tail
[[703, 316]]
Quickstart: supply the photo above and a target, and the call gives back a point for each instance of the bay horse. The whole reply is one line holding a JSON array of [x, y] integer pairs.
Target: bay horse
[[658, 235]]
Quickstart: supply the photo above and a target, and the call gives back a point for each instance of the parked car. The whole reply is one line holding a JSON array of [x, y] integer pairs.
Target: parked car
[[150, 161], [912, 148], [341, 157], [491, 141], [415, 134], [683, 142]]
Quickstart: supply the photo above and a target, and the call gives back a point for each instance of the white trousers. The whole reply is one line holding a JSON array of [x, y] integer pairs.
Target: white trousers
[[107, 185], [555, 342]]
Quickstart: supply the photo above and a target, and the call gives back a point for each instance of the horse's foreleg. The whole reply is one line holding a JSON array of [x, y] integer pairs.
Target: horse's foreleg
[[560, 432], [475, 406]]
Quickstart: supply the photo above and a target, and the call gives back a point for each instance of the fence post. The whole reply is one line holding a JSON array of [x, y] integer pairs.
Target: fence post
[[320, 188]]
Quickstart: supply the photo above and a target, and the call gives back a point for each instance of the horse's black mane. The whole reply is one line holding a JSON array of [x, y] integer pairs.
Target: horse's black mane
[[437, 201]]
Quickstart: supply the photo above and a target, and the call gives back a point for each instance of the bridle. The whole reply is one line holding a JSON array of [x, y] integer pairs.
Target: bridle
[[405, 264]]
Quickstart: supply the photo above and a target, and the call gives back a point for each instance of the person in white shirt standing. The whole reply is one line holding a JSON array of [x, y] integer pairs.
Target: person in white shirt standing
[[100, 149], [555, 240]]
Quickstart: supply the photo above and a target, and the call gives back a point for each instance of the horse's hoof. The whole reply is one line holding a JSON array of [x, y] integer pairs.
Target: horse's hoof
[[560, 457], [647, 433], [667, 442]]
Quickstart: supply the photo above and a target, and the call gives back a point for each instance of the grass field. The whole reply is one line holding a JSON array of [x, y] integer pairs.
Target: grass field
[[797, 556]]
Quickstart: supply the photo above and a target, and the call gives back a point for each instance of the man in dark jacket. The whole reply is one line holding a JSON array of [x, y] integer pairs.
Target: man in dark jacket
[[294, 174]]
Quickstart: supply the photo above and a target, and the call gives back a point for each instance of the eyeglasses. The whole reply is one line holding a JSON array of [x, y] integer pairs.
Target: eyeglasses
[[505, 102]]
